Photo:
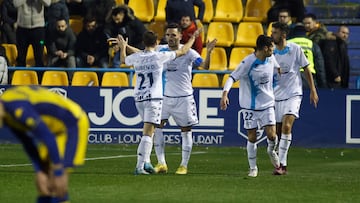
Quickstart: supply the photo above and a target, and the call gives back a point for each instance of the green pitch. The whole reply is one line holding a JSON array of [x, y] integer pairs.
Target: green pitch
[[216, 174]]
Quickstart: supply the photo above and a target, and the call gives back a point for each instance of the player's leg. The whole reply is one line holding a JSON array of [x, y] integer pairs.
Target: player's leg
[[186, 148], [285, 140], [159, 144], [251, 148], [185, 117], [150, 111], [291, 110]]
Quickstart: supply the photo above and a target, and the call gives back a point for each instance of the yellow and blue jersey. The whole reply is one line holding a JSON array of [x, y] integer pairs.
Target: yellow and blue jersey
[[51, 127]]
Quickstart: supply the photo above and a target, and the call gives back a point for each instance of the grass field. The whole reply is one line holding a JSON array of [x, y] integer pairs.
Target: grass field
[[216, 174]]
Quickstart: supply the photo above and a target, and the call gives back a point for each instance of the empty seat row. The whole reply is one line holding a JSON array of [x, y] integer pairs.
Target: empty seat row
[[79, 78], [224, 10], [109, 79]]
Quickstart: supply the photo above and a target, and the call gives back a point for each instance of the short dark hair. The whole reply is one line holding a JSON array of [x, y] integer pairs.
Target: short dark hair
[[283, 27], [263, 41], [310, 15], [285, 10], [149, 38], [174, 26]]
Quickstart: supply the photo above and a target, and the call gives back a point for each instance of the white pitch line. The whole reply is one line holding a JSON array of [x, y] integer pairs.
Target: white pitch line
[[94, 158]]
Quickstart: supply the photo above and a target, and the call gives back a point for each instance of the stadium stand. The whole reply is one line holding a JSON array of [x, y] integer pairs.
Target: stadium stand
[[228, 11], [256, 10], [55, 78], [85, 78], [205, 80], [119, 2], [218, 58], [143, 9], [160, 10], [115, 79], [11, 53], [76, 24], [247, 33], [237, 55], [222, 31], [209, 11], [25, 77]]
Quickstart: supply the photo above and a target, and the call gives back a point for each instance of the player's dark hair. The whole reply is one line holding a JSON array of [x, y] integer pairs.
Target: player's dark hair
[[150, 38], [283, 27], [263, 41], [174, 26]]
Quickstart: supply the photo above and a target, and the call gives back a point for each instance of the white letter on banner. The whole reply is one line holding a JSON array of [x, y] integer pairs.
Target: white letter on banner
[[116, 108], [107, 94], [205, 111]]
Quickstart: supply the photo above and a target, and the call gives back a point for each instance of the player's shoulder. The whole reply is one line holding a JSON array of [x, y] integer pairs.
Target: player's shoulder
[[293, 45], [162, 47]]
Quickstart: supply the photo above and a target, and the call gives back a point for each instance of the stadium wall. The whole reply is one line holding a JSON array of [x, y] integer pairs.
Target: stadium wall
[[114, 119]]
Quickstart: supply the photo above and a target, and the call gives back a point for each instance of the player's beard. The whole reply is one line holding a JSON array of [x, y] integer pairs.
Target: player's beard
[[173, 44]]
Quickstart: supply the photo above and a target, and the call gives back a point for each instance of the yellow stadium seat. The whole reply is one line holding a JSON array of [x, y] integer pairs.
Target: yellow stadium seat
[[119, 2], [247, 33], [115, 79], [208, 13], [222, 31], [55, 78], [158, 27], [237, 55], [218, 58], [269, 29], [143, 9], [256, 10], [76, 24], [226, 76], [208, 80], [30, 58], [85, 78], [11, 53], [200, 25], [229, 11], [25, 77], [160, 11]]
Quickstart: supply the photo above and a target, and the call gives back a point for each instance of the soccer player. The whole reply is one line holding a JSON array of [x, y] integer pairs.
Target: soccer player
[[178, 97], [53, 131], [288, 88], [256, 98], [148, 95]]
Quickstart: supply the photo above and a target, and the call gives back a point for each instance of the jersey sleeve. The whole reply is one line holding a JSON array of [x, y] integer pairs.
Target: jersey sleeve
[[303, 61], [166, 56], [195, 57]]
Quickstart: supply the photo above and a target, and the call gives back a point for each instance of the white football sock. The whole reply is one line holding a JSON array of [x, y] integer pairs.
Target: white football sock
[[251, 152], [187, 143], [143, 151], [159, 144], [271, 151], [284, 146]]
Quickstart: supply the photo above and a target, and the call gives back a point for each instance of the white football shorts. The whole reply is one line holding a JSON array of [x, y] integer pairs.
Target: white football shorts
[[182, 109], [150, 110], [254, 119], [290, 106]]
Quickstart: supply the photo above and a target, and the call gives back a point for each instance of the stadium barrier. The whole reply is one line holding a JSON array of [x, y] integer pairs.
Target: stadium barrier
[[114, 118]]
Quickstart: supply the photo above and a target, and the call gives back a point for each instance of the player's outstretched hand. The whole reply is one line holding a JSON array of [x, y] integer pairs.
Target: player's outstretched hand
[[211, 44]]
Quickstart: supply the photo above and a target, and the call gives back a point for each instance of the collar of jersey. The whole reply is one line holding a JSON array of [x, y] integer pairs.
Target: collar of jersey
[[282, 52], [259, 62]]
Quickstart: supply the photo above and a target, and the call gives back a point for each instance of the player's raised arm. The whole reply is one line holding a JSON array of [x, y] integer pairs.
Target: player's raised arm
[[189, 44], [209, 47]]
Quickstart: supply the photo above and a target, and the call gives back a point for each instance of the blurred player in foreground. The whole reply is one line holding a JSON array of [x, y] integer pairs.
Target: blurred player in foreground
[[256, 98], [53, 131]]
